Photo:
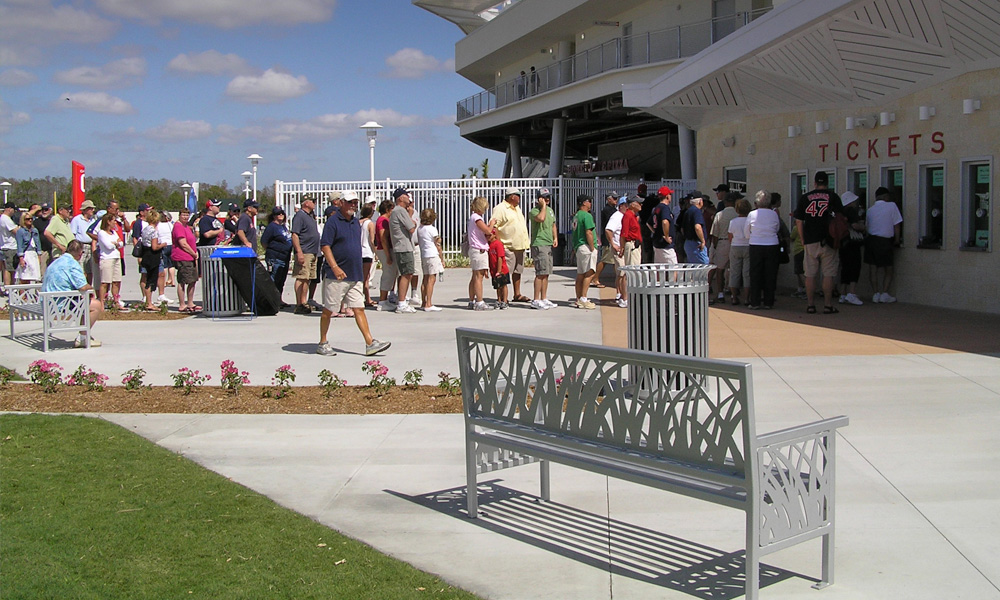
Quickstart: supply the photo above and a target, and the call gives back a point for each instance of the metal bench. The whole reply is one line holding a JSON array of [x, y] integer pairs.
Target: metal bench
[[684, 425], [58, 311]]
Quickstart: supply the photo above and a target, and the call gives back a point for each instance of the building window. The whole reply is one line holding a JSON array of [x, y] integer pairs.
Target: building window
[[857, 182], [798, 186], [977, 184], [893, 179], [931, 188], [831, 178], [736, 177]]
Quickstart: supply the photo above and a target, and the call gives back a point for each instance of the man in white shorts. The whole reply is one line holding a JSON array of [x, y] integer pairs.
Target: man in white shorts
[[342, 265], [586, 253]]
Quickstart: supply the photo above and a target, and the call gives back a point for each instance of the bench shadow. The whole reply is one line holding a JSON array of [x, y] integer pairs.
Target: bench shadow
[[34, 340], [622, 548]]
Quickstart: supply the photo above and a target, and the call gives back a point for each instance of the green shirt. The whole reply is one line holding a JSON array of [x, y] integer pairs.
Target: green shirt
[[61, 231], [582, 222], [541, 233]]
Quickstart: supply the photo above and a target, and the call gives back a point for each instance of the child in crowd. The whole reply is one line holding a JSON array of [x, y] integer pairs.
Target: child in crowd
[[430, 257], [498, 268]]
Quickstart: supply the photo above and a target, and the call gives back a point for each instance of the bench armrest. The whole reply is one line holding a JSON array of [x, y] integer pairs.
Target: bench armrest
[[22, 294], [784, 435]]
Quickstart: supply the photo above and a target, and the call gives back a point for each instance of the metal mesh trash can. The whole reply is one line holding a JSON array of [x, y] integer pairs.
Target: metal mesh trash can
[[219, 295], [668, 308]]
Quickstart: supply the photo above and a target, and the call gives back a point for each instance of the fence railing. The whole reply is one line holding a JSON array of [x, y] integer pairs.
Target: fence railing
[[451, 199], [641, 49]]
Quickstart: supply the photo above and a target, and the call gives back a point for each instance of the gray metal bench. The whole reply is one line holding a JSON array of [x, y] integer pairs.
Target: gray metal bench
[[680, 424], [58, 311]]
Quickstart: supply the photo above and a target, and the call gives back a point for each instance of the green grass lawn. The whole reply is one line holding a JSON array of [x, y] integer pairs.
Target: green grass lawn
[[90, 510]]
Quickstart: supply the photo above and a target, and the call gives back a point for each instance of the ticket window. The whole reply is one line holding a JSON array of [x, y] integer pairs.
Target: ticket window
[[893, 179], [857, 182], [932, 204], [977, 180]]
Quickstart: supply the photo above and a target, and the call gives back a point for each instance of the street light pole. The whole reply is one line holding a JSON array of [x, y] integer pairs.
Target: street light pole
[[254, 159], [6, 186], [371, 128], [187, 194], [246, 184]]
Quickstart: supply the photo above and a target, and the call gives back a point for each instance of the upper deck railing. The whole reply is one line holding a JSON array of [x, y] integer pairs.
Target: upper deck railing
[[622, 52]]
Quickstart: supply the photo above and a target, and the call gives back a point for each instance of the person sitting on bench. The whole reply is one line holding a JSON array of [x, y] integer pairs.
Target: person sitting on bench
[[66, 275]]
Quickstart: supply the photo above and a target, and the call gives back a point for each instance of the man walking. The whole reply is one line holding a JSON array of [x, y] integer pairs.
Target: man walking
[[343, 275], [543, 239], [509, 222], [586, 253], [812, 219], [695, 235], [305, 241], [883, 222], [401, 228]]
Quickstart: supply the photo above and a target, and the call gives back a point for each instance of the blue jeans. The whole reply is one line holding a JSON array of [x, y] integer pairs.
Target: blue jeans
[[279, 272], [694, 254]]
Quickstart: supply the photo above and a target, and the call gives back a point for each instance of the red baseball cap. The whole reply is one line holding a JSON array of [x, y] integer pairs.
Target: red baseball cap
[[664, 191]]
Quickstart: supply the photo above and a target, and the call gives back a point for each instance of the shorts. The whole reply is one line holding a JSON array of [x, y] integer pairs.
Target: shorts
[[631, 256], [187, 272], [111, 270], [404, 262], [664, 256], [798, 261], [87, 260], [515, 261], [586, 260], [500, 281], [165, 261], [479, 260], [305, 270], [739, 266], [878, 251], [388, 279], [819, 256], [338, 292], [608, 255], [10, 259], [542, 257], [720, 257], [431, 266]]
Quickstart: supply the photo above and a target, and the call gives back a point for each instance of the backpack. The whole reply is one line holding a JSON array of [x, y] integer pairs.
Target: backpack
[[837, 230]]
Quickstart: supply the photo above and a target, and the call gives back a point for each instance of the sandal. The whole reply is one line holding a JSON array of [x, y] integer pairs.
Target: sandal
[[521, 299], [811, 310], [830, 310]]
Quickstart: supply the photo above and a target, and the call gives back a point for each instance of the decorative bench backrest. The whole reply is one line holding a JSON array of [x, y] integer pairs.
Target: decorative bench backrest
[[693, 411]]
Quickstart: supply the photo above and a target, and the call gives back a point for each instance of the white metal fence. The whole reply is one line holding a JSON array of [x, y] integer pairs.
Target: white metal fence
[[451, 198]]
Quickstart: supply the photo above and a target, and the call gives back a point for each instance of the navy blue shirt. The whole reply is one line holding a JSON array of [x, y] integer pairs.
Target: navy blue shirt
[[344, 239], [694, 217], [660, 214], [277, 241]]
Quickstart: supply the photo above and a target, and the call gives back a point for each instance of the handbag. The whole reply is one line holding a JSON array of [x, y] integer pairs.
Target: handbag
[[137, 250]]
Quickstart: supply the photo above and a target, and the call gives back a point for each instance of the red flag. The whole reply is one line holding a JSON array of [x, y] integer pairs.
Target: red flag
[[79, 187]]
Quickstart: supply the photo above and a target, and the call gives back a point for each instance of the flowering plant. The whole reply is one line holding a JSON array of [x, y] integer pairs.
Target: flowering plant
[[450, 385], [413, 378], [92, 380], [232, 378], [5, 376], [133, 379], [282, 380], [330, 382], [188, 380], [379, 373], [46, 375]]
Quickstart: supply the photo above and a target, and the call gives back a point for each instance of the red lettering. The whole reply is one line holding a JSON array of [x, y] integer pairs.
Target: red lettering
[[938, 139], [855, 155], [822, 151], [891, 143], [837, 151], [915, 137], [872, 150]]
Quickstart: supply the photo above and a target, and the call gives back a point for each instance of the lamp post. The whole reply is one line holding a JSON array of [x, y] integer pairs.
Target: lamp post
[[254, 159], [371, 128], [187, 195], [246, 184], [6, 186]]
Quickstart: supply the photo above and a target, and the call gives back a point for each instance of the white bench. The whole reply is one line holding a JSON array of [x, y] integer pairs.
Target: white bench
[[680, 424], [58, 311]]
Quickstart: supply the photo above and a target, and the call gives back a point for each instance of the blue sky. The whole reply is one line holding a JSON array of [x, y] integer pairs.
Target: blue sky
[[186, 89]]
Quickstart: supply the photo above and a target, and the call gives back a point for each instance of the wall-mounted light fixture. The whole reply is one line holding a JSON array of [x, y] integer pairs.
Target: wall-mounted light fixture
[[822, 126], [970, 105], [794, 131], [926, 112], [849, 123], [868, 121], [885, 118], [729, 142], [752, 149]]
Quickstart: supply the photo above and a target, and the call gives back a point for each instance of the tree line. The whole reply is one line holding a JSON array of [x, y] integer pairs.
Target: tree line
[[129, 193]]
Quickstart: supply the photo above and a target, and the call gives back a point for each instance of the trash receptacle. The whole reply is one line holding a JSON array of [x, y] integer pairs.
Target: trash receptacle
[[219, 295], [668, 308]]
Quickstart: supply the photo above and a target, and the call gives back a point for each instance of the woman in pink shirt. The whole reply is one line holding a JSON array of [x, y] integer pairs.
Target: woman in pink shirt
[[185, 259]]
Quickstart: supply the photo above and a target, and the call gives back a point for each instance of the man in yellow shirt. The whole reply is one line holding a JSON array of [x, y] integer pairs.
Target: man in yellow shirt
[[509, 222]]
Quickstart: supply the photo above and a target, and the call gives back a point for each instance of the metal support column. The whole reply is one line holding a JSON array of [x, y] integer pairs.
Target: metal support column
[[558, 147], [514, 148], [685, 139]]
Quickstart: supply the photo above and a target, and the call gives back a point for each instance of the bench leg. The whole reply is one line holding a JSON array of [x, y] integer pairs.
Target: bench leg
[[471, 480], [827, 579], [543, 469], [752, 556]]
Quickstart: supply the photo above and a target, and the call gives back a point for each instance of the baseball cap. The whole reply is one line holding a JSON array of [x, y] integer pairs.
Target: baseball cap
[[583, 198], [612, 195], [544, 193], [277, 210], [335, 195], [233, 207], [46, 206], [329, 210], [351, 196], [848, 197], [722, 187], [622, 200], [400, 191], [250, 202], [663, 191], [207, 203], [86, 204], [512, 191], [12, 205]]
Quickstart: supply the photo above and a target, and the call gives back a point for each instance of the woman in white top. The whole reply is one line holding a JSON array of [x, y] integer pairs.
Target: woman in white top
[[429, 241], [478, 258], [108, 244], [739, 254], [164, 231], [367, 250], [761, 229]]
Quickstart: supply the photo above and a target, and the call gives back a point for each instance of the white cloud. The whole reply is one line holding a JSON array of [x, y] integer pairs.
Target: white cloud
[[10, 118], [175, 131], [323, 127], [411, 63], [269, 87], [40, 23], [16, 78], [99, 102], [210, 62], [227, 14], [115, 74]]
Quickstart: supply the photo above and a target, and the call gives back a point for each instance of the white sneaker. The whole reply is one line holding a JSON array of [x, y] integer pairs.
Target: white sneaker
[[877, 298], [548, 303], [842, 299], [403, 307], [853, 299], [887, 299], [387, 306], [431, 309], [325, 349], [376, 346], [163, 298], [622, 303], [538, 305], [482, 306]]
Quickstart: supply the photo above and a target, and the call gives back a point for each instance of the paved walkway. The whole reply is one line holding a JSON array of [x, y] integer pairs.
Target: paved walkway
[[918, 471]]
